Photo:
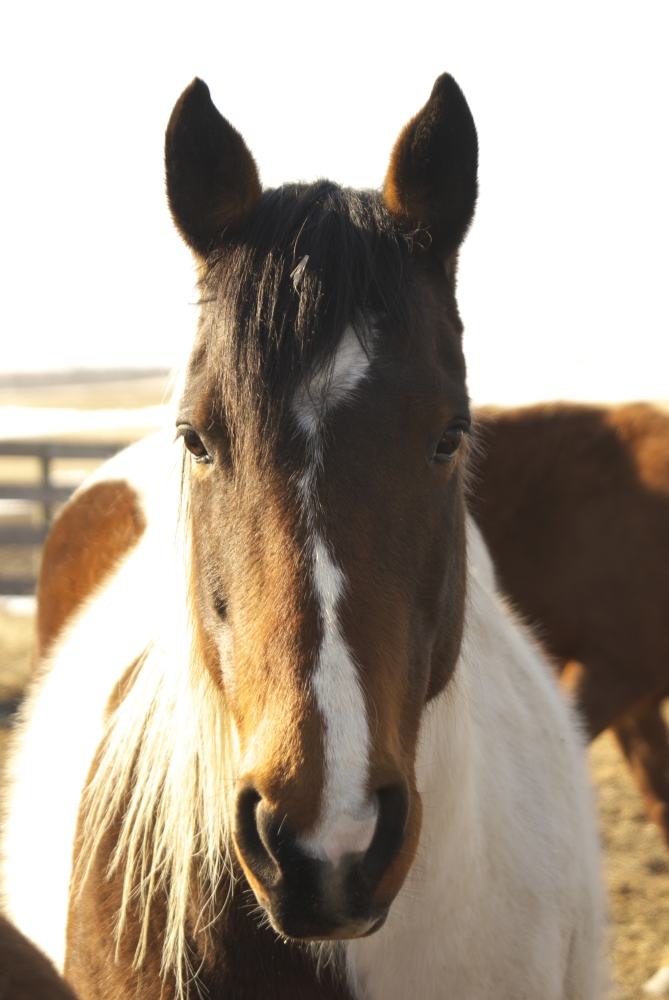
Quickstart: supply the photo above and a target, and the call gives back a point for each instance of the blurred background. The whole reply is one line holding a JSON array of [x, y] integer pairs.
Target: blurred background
[[563, 276], [563, 286]]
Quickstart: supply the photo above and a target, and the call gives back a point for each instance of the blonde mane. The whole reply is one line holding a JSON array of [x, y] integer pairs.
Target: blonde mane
[[166, 766]]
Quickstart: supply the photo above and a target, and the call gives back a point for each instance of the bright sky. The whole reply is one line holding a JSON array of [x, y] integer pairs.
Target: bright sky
[[563, 284]]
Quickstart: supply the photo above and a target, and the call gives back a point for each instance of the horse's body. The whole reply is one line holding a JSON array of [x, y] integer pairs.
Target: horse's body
[[291, 696], [580, 539]]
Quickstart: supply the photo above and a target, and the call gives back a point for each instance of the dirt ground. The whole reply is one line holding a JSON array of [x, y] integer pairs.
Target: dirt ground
[[636, 863], [16, 637], [636, 866]]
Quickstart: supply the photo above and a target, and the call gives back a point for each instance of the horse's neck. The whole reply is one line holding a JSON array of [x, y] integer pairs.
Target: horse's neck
[[463, 725], [479, 561], [501, 706]]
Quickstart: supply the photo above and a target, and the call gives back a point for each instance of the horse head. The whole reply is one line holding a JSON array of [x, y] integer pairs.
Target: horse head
[[324, 420]]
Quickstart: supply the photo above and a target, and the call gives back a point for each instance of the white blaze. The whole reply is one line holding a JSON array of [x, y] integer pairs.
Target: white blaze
[[330, 385], [348, 818]]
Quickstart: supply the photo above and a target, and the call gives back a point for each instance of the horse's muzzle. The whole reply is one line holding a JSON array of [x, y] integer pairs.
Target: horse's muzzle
[[307, 897]]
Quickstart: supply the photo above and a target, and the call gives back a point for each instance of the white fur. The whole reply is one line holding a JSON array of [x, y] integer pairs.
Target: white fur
[[658, 984], [348, 818], [503, 900], [331, 385]]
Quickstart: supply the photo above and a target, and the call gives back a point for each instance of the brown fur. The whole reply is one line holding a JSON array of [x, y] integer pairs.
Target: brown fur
[[258, 562], [92, 963], [246, 961], [268, 599], [431, 180], [212, 180], [574, 504], [643, 738], [364, 518], [26, 973], [88, 540]]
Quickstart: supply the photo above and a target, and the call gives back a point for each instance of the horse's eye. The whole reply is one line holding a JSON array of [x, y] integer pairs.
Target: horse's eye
[[449, 444], [194, 444]]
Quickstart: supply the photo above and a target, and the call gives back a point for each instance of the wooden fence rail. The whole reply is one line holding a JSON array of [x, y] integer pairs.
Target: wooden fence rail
[[46, 495], [37, 494], [23, 534]]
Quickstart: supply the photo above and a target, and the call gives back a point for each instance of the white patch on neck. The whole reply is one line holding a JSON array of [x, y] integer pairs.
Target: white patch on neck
[[332, 384]]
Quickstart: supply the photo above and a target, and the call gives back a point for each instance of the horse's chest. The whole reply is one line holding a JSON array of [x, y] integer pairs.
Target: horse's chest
[[245, 960], [253, 963]]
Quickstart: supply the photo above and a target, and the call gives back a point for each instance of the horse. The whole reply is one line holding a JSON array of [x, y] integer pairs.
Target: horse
[[286, 740], [580, 540], [25, 973], [579, 537]]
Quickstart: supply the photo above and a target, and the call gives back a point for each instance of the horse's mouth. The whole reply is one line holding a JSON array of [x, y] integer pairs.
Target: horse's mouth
[[318, 927]]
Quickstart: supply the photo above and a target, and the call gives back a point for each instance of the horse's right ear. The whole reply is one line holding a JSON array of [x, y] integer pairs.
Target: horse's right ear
[[213, 186], [431, 181]]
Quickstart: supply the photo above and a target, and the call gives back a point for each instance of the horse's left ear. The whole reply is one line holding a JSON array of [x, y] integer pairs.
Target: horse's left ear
[[431, 181], [213, 186]]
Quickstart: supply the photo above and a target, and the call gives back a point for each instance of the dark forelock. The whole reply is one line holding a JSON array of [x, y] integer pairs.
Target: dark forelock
[[259, 336]]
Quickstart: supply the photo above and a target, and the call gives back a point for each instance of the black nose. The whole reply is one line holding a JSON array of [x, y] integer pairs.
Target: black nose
[[305, 896]]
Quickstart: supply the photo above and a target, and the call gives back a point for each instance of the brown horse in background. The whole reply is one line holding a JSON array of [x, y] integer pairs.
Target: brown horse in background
[[25, 972], [580, 538]]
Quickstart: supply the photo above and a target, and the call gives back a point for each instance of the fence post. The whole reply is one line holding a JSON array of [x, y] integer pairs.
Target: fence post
[[45, 462], [45, 497]]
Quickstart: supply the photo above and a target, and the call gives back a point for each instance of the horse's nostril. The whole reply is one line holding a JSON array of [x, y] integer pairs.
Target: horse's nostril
[[254, 847], [270, 832], [393, 813]]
